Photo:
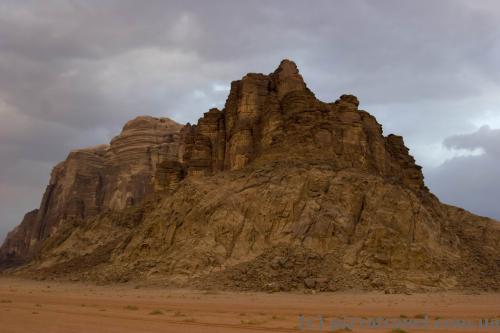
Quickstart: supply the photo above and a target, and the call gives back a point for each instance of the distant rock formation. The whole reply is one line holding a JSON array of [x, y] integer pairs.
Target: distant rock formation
[[277, 191]]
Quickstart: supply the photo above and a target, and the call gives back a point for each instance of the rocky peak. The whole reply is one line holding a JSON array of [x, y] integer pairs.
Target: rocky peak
[[148, 123], [287, 67], [287, 78], [274, 166], [266, 119], [348, 100]]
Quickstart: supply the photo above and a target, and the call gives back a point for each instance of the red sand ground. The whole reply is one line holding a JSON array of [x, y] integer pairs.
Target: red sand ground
[[30, 306]]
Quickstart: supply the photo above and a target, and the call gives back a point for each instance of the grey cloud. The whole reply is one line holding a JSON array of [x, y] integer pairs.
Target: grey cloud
[[471, 181], [486, 138]]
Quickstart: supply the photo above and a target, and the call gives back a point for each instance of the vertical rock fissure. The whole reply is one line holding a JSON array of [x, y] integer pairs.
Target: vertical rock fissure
[[357, 219], [43, 211], [237, 234]]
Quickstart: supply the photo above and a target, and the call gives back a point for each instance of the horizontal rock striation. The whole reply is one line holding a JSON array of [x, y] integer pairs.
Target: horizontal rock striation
[[276, 191], [93, 180]]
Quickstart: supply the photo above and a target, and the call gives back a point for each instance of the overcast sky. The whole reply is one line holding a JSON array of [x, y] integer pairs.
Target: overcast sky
[[73, 72]]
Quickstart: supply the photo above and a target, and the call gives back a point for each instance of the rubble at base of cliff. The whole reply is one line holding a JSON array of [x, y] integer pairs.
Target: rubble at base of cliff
[[276, 192]]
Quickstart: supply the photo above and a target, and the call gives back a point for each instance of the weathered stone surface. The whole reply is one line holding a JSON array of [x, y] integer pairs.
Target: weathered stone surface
[[19, 240], [106, 177], [277, 191]]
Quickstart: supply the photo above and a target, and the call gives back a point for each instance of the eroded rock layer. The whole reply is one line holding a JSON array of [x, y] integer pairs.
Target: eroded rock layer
[[277, 191]]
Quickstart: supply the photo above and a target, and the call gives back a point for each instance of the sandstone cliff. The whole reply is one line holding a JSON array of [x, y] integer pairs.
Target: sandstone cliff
[[277, 191]]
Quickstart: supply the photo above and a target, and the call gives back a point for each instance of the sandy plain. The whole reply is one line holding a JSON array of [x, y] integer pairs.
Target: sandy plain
[[59, 307]]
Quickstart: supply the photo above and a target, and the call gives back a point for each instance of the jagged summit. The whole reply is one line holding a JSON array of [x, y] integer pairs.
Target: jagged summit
[[287, 65], [276, 191]]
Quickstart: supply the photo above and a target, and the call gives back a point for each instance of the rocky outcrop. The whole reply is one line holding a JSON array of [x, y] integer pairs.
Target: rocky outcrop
[[19, 240], [277, 191], [97, 179]]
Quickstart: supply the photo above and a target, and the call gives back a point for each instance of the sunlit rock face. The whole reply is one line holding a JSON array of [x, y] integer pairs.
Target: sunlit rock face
[[276, 191]]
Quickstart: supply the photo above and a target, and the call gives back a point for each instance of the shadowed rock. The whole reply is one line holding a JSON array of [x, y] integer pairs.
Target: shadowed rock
[[276, 191]]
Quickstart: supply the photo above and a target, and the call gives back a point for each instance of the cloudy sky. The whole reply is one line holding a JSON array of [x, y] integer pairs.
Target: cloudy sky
[[73, 72]]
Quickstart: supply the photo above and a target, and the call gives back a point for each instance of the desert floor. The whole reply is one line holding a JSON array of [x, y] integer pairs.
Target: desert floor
[[34, 306]]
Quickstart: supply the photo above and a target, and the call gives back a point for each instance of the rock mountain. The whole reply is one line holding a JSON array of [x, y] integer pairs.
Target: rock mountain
[[277, 191]]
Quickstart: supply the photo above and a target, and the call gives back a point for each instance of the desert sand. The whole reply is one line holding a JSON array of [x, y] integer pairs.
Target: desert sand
[[47, 306]]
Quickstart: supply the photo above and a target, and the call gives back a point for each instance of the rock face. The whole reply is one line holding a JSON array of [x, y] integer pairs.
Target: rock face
[[97, 179], [277, 191]]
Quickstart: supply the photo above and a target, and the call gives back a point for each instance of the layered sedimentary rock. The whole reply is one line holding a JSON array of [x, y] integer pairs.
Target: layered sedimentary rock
[[93, 180], [276, 191]]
